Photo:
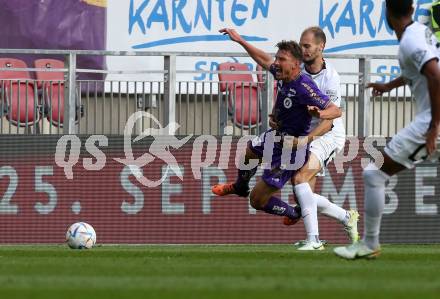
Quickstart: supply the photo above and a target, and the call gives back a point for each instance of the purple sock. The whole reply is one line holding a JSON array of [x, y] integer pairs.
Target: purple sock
[[276, 206]]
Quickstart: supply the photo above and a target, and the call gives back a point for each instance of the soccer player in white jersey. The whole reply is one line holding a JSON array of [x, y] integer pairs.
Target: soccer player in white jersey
[[327, 138], [418, 59]]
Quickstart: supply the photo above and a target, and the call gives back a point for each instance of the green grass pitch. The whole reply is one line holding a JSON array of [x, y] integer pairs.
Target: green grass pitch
[[266, 271]]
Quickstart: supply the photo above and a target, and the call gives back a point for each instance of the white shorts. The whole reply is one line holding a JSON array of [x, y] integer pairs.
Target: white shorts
[[325, 149], [407, 147]]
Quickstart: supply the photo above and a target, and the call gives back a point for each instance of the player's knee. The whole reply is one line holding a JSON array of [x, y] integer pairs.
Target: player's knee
[[256, 201], [300, 178]]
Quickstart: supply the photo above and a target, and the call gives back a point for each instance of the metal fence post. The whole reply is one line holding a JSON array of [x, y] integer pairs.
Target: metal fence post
[[70, 95], [169, 111], [267, 101], [364, 97]]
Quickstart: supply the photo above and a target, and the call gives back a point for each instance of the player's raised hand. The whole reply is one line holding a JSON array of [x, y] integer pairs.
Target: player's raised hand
[[233, 35], [378, 88]]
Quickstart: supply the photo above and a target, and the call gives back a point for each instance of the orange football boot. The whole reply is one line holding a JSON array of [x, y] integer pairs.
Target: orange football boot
[[227, 189]]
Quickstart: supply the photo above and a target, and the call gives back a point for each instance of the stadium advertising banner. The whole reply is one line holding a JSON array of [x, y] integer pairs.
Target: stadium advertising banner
[[351, 26], [50, 182]]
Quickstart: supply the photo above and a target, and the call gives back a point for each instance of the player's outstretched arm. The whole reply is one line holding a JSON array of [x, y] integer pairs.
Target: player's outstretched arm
[[380, 88], [260, 57], [330, 112], [432, 73]]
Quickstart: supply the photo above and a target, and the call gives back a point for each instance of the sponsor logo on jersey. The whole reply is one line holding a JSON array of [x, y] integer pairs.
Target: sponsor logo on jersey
[[313, 94], [287, 103], [332, 94], [279, 210]]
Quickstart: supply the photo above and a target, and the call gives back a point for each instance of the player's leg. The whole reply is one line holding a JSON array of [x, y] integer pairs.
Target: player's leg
[[375, 180], [312, 184], [306, 200], [348, 218], [374, 187], [322, 151], [262, 198], [241, 185], [254, 151], [405, 150]]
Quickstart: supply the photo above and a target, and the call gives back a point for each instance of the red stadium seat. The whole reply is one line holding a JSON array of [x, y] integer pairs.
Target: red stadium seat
[[243, 95], [49, 76], [18, 93], [52, 84]]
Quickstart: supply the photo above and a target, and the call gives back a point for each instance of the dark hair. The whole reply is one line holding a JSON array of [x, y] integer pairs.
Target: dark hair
[[317, 32], [292, 47], [399, 8]]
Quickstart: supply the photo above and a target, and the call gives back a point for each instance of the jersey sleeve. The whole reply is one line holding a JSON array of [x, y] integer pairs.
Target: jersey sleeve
[[332, 89], [418, 50], [311, 95]]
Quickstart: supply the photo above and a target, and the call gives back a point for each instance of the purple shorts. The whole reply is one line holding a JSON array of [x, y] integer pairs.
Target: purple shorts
[[277, 171]]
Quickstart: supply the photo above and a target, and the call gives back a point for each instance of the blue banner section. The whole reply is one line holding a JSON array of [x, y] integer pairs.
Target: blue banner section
[[192, 21]]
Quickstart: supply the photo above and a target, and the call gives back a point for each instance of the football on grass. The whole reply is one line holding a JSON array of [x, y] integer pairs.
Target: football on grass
[[81, 235]]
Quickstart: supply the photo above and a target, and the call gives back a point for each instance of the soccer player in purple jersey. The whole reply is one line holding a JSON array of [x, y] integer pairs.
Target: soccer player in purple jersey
[[298, 98]]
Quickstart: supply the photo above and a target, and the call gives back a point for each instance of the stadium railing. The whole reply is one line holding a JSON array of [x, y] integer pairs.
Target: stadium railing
[[192, 98]]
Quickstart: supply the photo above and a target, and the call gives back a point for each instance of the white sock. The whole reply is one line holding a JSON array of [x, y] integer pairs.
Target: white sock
[[329, 209], [374, 188], [309, 212]]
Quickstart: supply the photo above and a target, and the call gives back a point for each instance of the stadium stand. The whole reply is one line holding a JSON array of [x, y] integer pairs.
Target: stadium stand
[[19, 93], [242, 94], [52, 86]]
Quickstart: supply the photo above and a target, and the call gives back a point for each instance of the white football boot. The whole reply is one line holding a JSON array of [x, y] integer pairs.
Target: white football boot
[[356, 251], [303, 242], [352, 226], [311, 246]]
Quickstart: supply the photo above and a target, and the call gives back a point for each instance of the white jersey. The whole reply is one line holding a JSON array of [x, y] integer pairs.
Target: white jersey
[[329, 83], [417, 46]]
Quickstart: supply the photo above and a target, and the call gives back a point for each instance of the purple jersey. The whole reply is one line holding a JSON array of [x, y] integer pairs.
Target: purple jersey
[[291, 104]]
